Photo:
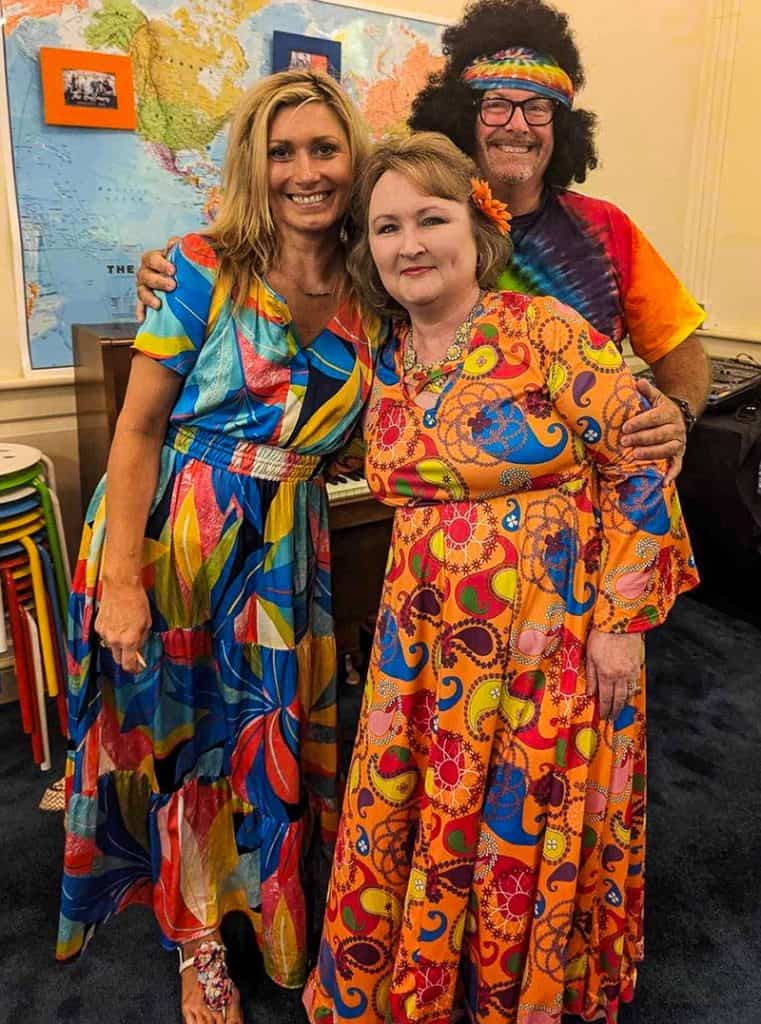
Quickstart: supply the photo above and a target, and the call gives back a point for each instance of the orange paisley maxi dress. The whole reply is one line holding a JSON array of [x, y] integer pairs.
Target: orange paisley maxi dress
[[490, 858]]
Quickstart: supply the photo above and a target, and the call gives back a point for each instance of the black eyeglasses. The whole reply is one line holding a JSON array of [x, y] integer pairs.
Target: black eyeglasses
[[497, 111]]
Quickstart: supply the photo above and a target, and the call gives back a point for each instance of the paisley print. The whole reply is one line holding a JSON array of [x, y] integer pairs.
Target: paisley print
[[490, 852]]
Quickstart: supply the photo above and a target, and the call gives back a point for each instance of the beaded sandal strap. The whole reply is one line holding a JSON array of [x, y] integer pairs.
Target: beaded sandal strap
[[213, 976]]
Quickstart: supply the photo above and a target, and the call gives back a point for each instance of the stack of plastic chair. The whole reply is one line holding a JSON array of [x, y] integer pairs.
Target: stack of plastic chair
[[35, 578]]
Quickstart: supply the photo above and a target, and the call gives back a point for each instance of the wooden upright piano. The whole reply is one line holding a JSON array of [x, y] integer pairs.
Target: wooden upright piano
[[360, 527]]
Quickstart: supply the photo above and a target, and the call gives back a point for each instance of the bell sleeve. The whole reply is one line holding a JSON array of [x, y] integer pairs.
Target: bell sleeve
[[645, 557]]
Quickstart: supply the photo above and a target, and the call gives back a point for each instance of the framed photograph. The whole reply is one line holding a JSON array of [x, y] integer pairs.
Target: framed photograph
[[291, 51], [90, 90]]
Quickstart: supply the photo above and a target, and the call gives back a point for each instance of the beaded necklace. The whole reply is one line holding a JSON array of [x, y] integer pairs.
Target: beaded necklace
[[433, 376]]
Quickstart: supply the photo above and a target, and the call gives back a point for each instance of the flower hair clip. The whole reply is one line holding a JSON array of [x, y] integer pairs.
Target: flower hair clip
[[490, 207]]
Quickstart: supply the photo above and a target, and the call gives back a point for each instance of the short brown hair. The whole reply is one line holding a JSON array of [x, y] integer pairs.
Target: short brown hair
[[438, 168]]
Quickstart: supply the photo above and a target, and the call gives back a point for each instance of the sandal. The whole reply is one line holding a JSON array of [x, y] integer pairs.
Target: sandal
[[213, 977]]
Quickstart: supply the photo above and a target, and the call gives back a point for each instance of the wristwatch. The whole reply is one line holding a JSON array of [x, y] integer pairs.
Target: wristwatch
[[689, 417]]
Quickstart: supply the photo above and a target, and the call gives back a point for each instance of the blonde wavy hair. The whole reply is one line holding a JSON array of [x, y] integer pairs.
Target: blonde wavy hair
[[437, 167], [244, 232]]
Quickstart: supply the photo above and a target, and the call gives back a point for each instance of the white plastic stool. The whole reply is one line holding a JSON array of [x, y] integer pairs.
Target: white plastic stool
[[39, 679], [14, 458], [22, 492], [49, 471]]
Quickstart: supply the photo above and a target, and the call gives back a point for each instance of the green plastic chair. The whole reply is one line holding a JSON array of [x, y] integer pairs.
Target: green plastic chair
[[32, 475]]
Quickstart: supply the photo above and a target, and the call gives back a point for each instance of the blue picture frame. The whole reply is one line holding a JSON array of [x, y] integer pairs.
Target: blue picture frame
[[290, 50]]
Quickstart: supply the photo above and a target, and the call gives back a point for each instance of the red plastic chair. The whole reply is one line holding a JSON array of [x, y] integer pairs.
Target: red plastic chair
[[25, 674]]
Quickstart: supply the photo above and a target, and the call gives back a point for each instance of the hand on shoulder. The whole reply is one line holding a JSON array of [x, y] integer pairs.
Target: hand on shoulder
[[155, 274], [659, 432], [158, 274]]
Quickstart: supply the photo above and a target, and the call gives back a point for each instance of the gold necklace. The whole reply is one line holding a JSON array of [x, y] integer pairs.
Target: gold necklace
[[433, 376], [291, 281], [319, 295]]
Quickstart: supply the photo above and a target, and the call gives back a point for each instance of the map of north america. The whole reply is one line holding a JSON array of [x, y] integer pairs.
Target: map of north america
[[92, 200]]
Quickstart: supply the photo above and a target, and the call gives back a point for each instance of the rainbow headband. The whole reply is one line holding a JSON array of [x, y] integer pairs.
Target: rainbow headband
[[520, 68]]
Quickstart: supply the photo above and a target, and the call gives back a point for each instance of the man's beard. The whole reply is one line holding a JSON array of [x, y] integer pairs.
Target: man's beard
[[506, 175], [512, 177]]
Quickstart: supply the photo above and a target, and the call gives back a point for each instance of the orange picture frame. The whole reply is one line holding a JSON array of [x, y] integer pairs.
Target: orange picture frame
[[87, 90]]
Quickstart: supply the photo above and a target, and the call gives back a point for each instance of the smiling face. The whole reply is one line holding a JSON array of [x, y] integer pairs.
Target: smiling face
[[309, 168], [422, 245], [516, 153]]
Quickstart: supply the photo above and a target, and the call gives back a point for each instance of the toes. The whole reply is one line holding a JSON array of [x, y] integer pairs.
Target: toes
[[234, 1013], [190, 1015]]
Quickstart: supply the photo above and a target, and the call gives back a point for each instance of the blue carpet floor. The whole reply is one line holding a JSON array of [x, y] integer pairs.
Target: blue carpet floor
[[704, 877]]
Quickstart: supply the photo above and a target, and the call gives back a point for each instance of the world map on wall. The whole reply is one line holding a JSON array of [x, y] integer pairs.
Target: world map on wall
[[91, 200]]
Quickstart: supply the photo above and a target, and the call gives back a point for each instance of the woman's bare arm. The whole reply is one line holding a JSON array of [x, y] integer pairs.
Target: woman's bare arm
[[133, 465]]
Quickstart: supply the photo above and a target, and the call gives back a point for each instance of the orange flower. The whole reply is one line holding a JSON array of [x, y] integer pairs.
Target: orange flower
[[490, 207]]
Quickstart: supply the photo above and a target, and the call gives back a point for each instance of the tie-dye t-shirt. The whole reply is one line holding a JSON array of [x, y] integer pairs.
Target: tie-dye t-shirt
[[590, 255]]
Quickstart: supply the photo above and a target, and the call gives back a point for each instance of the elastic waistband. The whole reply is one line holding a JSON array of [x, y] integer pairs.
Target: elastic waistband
[[244, 457]]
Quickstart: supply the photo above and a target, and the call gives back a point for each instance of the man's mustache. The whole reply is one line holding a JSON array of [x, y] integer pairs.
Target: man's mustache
[[511, 139]]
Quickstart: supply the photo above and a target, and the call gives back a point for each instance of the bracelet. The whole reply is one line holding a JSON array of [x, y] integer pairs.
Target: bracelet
[[689, 417]]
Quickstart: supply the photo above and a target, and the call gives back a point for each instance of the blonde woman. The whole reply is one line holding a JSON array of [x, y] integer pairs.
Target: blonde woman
[[201, 777]]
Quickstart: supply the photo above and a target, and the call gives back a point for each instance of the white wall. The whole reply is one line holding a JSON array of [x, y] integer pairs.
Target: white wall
[[642, 62], [724, 232]]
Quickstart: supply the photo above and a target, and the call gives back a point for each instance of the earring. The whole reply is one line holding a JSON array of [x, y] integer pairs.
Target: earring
[[343, 232]]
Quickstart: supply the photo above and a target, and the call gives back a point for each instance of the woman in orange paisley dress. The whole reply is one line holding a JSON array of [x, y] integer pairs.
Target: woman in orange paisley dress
[[491, 850]]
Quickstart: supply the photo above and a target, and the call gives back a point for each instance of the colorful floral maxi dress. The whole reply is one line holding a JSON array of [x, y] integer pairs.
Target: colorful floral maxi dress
[[490, 851], [202, 784]]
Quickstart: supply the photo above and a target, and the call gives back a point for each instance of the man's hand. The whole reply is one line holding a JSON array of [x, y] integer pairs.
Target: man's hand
[[614, 663], [155, 273], [658, 432]]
